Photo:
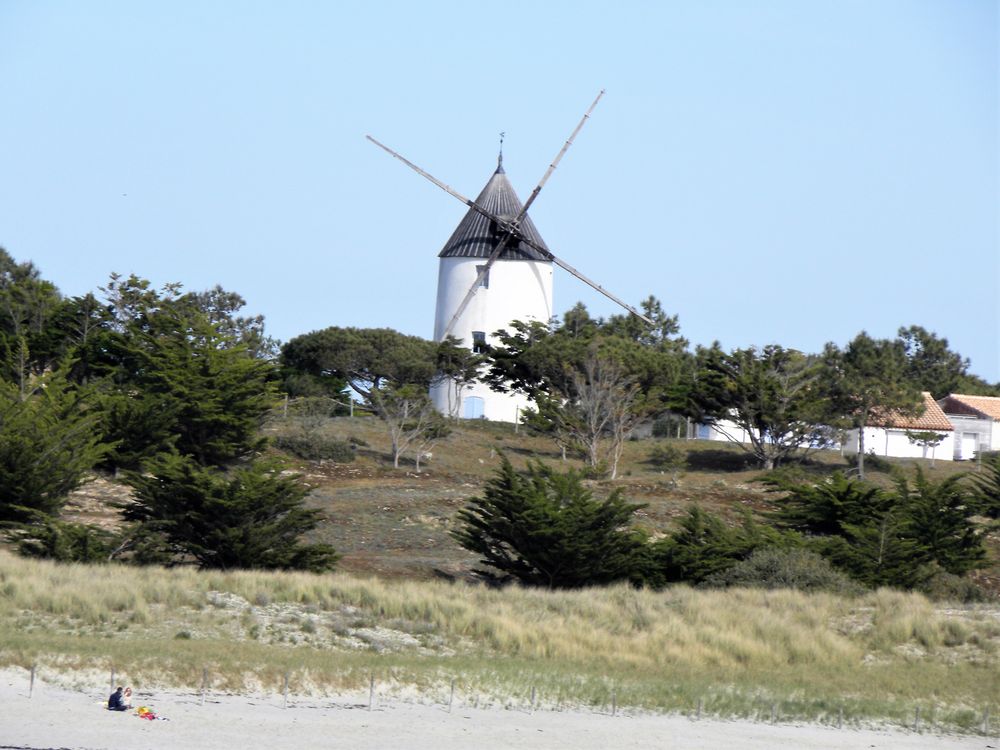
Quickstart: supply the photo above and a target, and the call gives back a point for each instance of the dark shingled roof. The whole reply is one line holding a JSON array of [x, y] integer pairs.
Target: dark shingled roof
[[477, 236]]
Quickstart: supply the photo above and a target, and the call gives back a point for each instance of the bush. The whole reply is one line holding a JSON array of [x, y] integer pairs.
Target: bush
[[949, 587], [62, 541], [253, 516], [313, 447], [544, 528], [986, 486], [704, 545], [872, 463], [667, 456], [596, 473], [773, 568], [49, 440]]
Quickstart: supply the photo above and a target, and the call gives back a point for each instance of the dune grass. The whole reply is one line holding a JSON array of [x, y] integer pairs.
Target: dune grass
[[738, 652]]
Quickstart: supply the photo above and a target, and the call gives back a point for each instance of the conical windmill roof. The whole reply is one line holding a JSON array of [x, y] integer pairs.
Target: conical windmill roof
[[477, 237]]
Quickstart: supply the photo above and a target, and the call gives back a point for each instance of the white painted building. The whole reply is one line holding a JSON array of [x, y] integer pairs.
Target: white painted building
[[518, 286], [976, 420], [721, 429], [889, 434]]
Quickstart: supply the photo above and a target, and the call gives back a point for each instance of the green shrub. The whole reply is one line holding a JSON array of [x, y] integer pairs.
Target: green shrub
[[773, 568], [545, 528], [949, 587], [600, 471], [872, 463], [986, 486], [667, 456], [703, 545], [63, 541], [315, 447], [253, 516]]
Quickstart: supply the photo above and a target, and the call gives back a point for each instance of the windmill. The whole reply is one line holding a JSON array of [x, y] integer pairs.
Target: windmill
[[496, 234]]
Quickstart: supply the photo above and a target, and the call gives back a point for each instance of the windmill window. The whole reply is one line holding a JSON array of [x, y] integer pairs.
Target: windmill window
[[485, 280], [479, 341]]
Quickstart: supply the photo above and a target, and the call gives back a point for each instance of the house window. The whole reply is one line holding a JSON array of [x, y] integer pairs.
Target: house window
[[485, 280], [479, 342]]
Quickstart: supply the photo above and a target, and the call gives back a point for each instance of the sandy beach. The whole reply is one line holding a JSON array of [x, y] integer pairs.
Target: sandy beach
[[58, 717]]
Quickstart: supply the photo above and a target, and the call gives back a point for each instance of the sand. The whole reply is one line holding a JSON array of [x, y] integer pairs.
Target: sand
[[58, 717]]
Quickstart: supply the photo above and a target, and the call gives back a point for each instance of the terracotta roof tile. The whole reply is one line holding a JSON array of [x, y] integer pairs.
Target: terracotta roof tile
[[987, 405], [932, 418]]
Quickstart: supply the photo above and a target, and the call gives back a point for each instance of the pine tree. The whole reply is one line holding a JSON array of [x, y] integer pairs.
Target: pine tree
[[825, 508], [48, 442], [249, 517], [867, 378], [703, 546], [544, 528], [986, 488], [939, 522], [213, 392], [876, 551], [856, 526]]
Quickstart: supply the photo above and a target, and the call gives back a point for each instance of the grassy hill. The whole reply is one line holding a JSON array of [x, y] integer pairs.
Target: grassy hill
[[395, 523], [382, 613]]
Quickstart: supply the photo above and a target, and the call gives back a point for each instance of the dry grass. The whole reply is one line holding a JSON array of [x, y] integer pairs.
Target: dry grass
[[738, 652], [874, 657]]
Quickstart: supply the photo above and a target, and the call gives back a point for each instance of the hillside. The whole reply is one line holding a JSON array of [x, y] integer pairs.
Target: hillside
[[395, 523], [383, 616]]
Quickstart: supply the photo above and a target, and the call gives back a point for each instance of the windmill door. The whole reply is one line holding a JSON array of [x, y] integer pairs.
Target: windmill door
[[473, 407]]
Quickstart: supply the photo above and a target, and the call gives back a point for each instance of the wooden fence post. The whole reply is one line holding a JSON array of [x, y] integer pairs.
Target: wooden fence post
[[451, 698], [698, 715], [31, 685], [284, 692], [112, 679], [371, 691], [204, 684]]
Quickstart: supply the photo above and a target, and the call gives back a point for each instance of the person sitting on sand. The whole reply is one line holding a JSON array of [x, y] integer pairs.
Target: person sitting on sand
[[119, 700]]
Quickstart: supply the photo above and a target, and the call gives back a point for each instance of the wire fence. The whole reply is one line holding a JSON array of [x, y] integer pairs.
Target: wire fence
[[463, 694]]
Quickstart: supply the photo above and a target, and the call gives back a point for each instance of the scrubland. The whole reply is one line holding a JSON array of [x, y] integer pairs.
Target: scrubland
[[401, 609], [737, 652]]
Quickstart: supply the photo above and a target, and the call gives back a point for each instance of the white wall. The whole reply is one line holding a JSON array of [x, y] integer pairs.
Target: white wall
[[518, 290], [965, 425], [723, 430], [895, 443]]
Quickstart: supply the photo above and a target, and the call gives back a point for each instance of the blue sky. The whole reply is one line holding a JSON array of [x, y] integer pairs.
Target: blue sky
[[774, 172]]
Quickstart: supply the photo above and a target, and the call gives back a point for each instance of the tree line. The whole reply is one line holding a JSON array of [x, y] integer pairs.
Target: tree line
[[592, 381], [545, 528], [169, 389]]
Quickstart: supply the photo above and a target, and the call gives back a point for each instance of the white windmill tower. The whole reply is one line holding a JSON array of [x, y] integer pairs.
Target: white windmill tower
[[517, 286], [494, 269]]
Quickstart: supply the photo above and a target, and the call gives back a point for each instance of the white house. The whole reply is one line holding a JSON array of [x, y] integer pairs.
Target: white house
[[887, 434], [721, 429], [518, 286], [977, 423]]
